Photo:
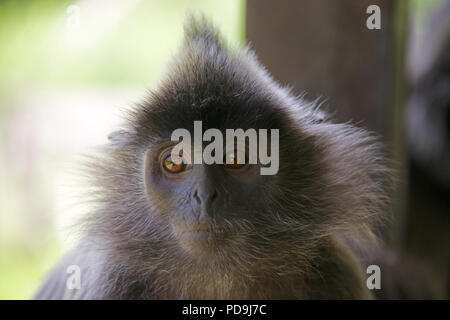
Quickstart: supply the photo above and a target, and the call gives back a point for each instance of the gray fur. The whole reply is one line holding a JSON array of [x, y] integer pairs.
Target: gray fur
[[296, 246]]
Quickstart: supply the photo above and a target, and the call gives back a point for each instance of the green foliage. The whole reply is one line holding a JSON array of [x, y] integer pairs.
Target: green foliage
[[131, 48], [22, 268], [38, 51]]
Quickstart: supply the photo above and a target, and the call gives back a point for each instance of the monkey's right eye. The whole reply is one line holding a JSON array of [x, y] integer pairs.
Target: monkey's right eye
[[171, 166]]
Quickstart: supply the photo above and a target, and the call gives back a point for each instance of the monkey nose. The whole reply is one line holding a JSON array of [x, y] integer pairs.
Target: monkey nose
[[204, 197], [205, 202]]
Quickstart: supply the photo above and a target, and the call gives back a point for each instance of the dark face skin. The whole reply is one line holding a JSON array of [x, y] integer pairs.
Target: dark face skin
[[206, 203], [219, 209]]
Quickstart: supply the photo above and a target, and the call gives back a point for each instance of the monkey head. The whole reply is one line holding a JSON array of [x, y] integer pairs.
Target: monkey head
[[230, 214]]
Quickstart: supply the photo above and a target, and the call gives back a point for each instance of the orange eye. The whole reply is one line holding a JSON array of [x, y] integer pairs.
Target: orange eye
[[173, 167], [231, 160]]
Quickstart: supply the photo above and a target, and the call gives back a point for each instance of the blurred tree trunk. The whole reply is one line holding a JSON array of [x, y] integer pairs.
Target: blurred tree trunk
[[324, 48]]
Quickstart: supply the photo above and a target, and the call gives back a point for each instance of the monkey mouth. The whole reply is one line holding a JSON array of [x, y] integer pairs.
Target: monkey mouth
[[200, 232]]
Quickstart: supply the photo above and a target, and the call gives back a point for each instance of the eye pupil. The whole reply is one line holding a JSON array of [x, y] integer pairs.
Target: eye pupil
[[233, 161], [173, 167]]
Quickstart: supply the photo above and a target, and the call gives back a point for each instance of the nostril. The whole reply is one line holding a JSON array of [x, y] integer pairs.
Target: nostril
[[213, 196], [197, 197]]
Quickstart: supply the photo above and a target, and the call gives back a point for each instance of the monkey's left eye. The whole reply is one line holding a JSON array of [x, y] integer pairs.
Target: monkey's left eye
[[235, 160], [171, 166]]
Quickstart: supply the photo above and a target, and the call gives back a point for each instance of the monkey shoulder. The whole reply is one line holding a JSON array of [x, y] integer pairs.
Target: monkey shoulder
[[338, 275], [70, 278]]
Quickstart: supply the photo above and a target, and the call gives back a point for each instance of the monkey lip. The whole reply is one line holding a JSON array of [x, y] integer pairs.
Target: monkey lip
[[200, 231], [201, 236]]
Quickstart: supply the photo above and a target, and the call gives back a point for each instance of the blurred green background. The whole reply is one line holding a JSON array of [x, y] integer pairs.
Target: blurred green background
[[61, 92]]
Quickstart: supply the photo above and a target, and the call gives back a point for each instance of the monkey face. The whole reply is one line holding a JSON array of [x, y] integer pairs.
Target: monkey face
[[217, 209], [214, 209], [207, 206]]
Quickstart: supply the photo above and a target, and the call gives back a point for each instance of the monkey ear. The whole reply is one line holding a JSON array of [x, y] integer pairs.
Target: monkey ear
[[119, 139], [313, 110], [318, 116]]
